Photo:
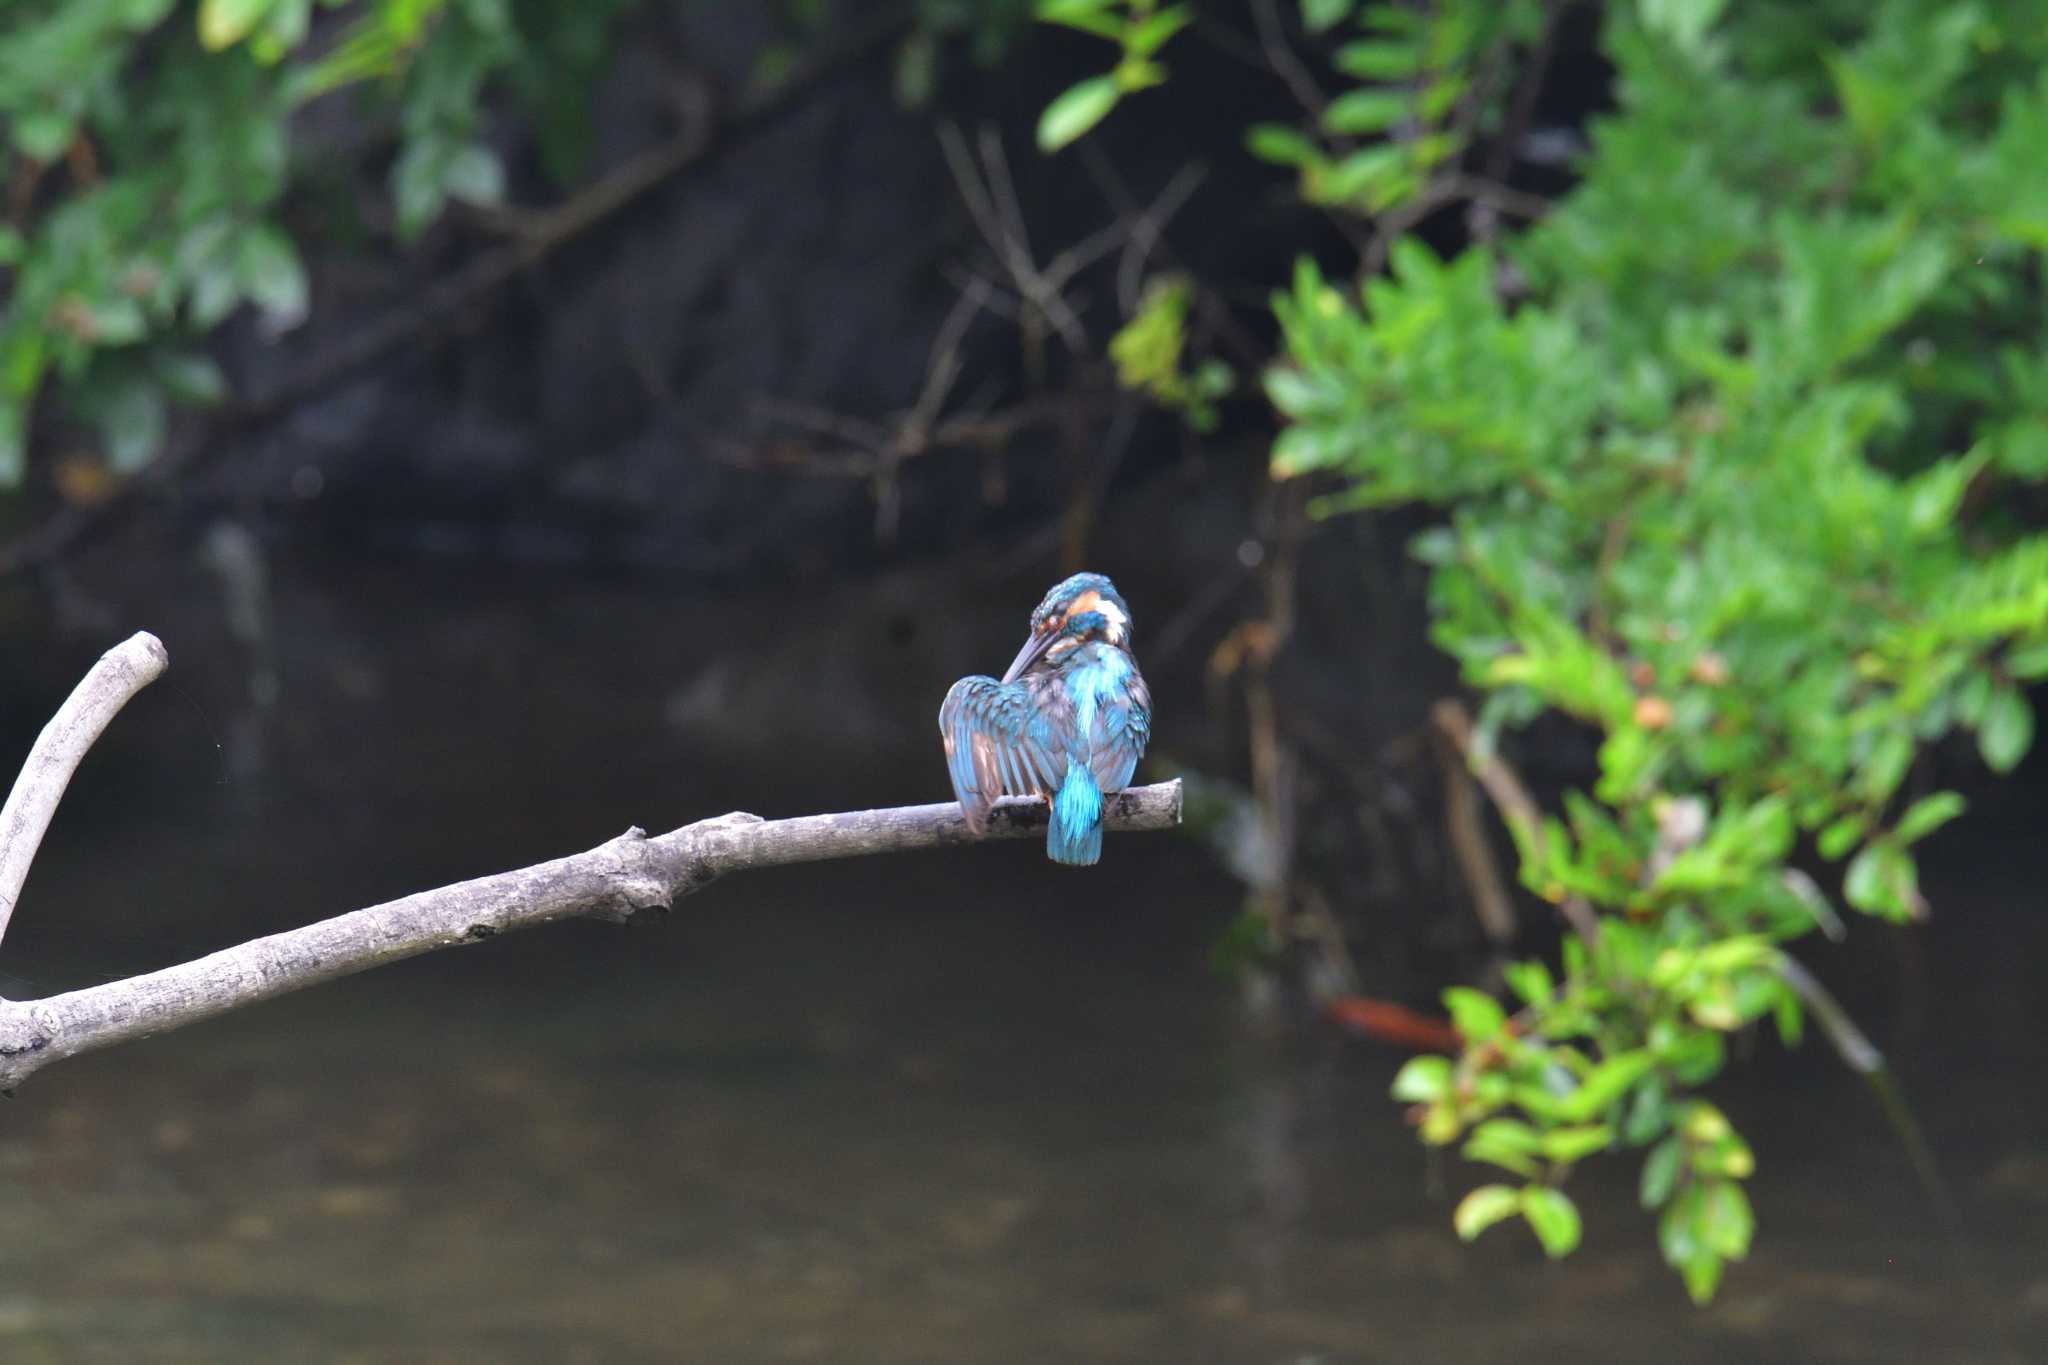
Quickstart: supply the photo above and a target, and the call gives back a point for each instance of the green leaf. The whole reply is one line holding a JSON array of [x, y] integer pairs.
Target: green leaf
[[1423, 1079], [1530, 981], [1484, 1207], [1841, 836], [917, 69], [189, 377], [1281, 145], [1660, 1172], [1475, 1014], [1605, 1084], [131, 421], [1379, 61], [1506, 1143], [1553, 1217], [223, 23], [1684, 22], [13, 444], [475, 176], [1320, 16], [42, 135], [1089, 16], [268, 271], [1725, 1221], [1577, 1143], [2007, 731], [1077, 109], [1358, 112], [2028, 662], [1146, 37], [1702, 1276], [1927, 815]]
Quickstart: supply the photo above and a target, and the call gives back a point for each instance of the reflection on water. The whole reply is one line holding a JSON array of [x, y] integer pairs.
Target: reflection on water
[[961, 1106]]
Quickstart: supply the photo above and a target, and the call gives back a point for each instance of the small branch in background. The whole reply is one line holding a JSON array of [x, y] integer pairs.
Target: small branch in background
[[617, 881], [1030, 296], [1275, 772], [1861, 1056], [1491, 901], [1510, 798], [121, 672], [1280, 57]]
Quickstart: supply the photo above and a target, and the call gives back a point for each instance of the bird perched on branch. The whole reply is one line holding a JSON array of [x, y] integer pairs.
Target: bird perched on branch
[[1068, 722]]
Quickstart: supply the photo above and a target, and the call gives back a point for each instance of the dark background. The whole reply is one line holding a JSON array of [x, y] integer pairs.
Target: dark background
[[559, 563]]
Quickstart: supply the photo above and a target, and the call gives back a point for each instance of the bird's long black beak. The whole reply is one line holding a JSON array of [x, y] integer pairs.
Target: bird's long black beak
[[1029, 655]]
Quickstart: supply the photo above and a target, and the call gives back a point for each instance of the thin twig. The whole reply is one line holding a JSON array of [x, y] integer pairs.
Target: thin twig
[[1511, 799], [121, 672], [1280, 56], [619, 880]]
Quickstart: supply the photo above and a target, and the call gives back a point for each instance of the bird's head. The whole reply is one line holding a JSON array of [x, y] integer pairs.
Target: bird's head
[[1083, 608]]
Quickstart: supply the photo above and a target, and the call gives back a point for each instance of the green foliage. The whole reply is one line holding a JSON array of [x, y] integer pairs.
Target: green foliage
[[150, 157], [1417, 93], [1148, 353], [1719, 445], [1139, 28], [1722, 487]]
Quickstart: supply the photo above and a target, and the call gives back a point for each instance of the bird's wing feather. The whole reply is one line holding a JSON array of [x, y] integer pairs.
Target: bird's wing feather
[[1117, 738], [997, 745]]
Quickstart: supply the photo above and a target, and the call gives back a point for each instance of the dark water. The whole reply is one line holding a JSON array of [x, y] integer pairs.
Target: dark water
[[949, 1107]]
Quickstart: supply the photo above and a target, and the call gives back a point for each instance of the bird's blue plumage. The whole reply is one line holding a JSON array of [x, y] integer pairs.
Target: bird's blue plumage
[[1068, 725], [1074, 835]]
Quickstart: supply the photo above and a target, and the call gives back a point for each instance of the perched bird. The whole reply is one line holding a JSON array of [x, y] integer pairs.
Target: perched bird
[[1068, 722]]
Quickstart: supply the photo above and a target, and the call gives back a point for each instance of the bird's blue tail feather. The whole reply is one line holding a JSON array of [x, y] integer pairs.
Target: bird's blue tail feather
[[1074, 836]]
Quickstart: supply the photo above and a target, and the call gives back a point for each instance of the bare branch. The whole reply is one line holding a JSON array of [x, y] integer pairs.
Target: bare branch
[[122, 671], [1510, 798], [617, 881]]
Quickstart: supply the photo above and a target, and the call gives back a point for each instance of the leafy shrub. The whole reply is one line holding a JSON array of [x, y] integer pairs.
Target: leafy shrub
[[148, 152], [1720, 444]]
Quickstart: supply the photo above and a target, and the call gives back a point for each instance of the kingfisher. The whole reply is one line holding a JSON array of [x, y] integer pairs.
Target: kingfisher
[[1067, 722]]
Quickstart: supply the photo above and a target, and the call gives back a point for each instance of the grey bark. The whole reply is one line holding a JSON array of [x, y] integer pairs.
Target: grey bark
[[619, 880], [121, 672]]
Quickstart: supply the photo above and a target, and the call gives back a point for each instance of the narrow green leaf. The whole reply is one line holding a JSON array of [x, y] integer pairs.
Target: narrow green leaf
[[1357, 112], [1089, 16], [1146, 37], [1927, 815], [1553, 1217], [1606, 1083], [1484, 1207], [1077, 109], [1279, 144], [1660, 1172], [2007, 730], [1577, 1143], [1379, 61]]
